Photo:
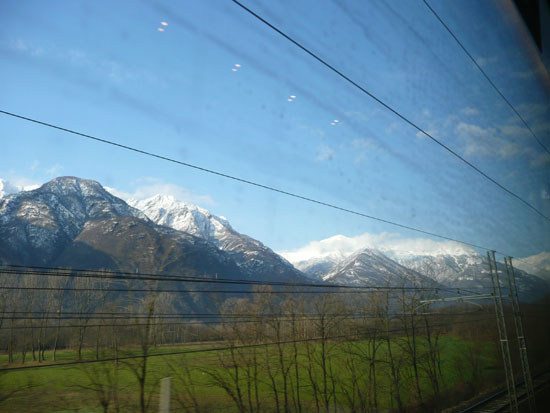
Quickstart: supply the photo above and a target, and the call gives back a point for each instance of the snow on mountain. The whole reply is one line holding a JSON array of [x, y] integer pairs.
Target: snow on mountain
[[448, 268], [371, 267], [249, 253], [536, 264], [446, 262], [165, 210], [326, 254], [36, 225], [319, 266], [339, 246]]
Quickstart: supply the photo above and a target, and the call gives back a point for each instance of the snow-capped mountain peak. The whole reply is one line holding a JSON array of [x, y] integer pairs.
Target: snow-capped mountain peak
[[446, 262], [535, 264], [167, 211], [371, 267], [249, 253], [44, 220]]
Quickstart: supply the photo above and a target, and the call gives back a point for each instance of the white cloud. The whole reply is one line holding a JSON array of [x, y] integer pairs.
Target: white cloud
[[480, 141], [431, 132], [153, 186], [540, 159], [515, 131], [470, 111], [54, 170], [392, 127], [324, 152], [524, 75], [365, 144], [22, 46], [484, 61], [533, 111], [7, 188], [392, 244], [11, 187], [363, 115], [338, 245], [535, 264], [363, 147]]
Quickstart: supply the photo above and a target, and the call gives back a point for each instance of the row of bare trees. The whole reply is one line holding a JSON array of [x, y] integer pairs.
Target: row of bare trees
[[382, 357], [39, 315], [267, 351]]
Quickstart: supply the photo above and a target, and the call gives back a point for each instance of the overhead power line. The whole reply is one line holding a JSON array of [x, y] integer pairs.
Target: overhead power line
[[224, 322], [11, 269], [182, 291], [391, 109], [215, 349], [266, 187], [229, 318], [486, 75]]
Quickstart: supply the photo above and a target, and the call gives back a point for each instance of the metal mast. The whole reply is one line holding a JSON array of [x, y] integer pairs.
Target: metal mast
[[521, 338], [503, 336]]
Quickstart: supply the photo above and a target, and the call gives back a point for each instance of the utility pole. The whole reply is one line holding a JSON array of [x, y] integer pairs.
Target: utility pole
[[521, 338], [503, 336]]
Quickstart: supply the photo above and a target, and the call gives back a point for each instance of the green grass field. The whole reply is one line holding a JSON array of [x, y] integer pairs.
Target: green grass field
[[71, 388]]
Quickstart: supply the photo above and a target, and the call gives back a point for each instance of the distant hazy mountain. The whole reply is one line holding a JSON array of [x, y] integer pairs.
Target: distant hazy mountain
[[251, 255], [447, 263], [469, 271], [463, 266], [536, 264], [371, 267]]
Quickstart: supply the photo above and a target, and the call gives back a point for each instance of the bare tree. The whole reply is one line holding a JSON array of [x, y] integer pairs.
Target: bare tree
[[89, 296], [409, 341], [185, 385], [394, 361], [144, 333], [103, 381]]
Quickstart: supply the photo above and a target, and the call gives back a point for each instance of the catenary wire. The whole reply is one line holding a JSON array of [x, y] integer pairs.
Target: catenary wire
[[485, 75], [63, 272], [118, 275], [229, 319], [233, 322], [167, 290], [255, 184], [391, 109]]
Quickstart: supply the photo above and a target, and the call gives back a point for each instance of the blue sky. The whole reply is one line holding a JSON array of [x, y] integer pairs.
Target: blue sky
[[104, 68]]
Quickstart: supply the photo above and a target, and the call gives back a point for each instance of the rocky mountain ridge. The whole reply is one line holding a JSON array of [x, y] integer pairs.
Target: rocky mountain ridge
[[75, 222], [248, 253]]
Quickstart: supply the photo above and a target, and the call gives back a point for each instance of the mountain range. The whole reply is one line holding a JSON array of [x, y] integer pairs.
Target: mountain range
[[446, 263], [73, 222], [76, 223]]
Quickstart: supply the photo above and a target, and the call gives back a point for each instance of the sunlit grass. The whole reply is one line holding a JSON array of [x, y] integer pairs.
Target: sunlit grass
[[70, 384]]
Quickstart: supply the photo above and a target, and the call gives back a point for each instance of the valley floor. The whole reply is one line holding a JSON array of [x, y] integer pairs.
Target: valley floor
[[335, 376]]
